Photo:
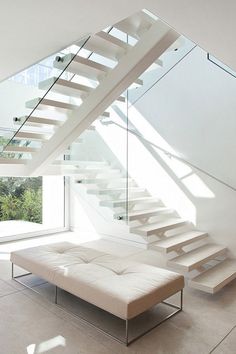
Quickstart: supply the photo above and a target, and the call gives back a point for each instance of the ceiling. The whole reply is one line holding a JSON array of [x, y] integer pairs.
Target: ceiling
[[31, 31]]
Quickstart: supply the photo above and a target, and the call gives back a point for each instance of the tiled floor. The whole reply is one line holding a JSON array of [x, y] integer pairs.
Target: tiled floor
[[31, 324]]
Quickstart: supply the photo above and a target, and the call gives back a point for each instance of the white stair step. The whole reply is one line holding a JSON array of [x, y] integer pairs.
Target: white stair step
[[37, 121], [142, 214], [80, 163], [104, 48], [136, 24], [173, 243], [65, 87], [113, 40], [110, 191], [12, 161], [150, 229], [17, 148], [123, 202], [30, 136], [215, 278], [55, 104], [82, 66], [97, 170], [49, 103], [106, 181], [197, 257], [69, 88]]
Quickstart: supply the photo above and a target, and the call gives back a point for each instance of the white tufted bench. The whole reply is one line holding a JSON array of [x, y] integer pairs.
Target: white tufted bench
[[121, 287]]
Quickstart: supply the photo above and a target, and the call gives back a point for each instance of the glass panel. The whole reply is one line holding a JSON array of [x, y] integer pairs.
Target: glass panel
[[97, 163], [166, 62], [20, 96]]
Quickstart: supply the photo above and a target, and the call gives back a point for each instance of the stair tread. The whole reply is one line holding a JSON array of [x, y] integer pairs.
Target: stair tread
[[56, 104], [179, 240], [120, 202], [133, 199], [148, 229], [31, 136], [145, 211], [193, 258], [18, 148], [85, 67], [49, 102], [69, 88], [115, 190], [102, 179], [136, 214], [98, 170], [13, 161], [215, 278], [65, 87], [114, 40], [82, 66], [103, 47], [78, 163], [41, 120]]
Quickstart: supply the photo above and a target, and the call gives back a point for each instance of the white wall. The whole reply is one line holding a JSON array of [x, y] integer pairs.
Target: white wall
[[194, 110]]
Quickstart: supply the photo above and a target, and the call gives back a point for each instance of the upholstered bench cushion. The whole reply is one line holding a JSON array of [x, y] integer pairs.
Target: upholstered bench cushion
[[121, 287]]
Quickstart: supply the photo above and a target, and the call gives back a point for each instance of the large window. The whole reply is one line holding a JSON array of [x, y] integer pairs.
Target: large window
[[21, 199], [30, 206]]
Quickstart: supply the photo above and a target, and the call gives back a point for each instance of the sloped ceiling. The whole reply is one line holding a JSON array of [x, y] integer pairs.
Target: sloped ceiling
[[30, 31]]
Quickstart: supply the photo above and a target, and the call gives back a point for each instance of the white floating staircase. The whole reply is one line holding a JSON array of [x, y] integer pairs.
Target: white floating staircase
[[205, 264], [69, 108], [70, 103]]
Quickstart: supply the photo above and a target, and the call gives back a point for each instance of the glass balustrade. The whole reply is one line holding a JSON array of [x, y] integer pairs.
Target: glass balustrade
[[20, 98]]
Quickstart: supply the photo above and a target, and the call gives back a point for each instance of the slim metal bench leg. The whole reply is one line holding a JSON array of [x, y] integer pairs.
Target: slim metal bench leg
[[56, 295], [126, 332], [12, 270]]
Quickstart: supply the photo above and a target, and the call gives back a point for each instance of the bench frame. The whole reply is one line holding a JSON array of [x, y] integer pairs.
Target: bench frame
[[126, 340]]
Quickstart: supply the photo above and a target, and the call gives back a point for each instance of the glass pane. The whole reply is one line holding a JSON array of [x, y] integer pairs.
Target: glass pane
[[97, 163], [21, 94], [166, 62]]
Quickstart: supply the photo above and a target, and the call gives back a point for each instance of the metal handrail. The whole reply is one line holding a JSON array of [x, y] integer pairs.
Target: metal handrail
[[171, 155]]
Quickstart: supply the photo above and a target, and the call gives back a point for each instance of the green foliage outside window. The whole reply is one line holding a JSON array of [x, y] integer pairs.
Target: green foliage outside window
[[21, 199]]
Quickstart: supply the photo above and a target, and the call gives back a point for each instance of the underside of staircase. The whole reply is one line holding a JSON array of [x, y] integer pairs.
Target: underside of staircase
[[68, 106]]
